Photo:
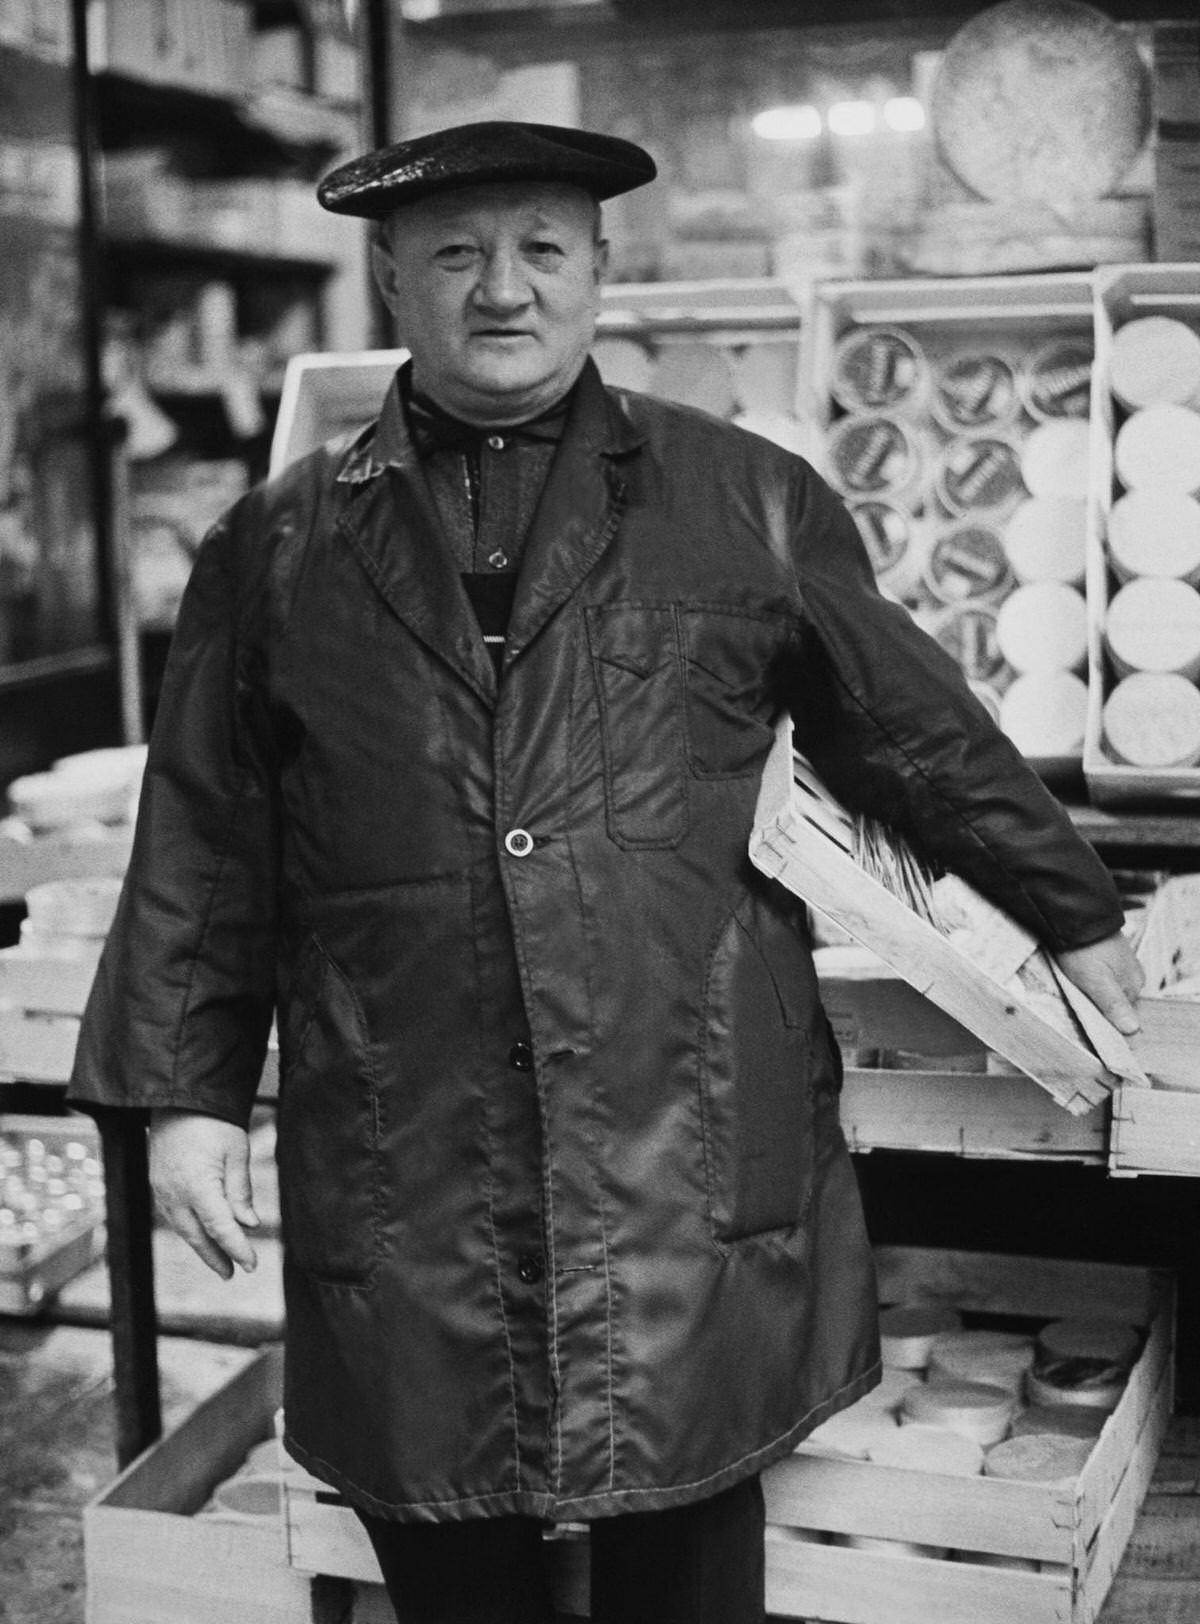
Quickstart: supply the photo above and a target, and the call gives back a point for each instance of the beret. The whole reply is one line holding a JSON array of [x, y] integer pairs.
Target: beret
[[469, 154]]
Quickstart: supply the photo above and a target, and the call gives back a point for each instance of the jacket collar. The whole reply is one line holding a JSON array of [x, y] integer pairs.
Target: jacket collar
[[575, 522]]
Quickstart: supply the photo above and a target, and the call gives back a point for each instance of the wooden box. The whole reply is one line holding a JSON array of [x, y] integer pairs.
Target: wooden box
[[1123, 294], [34, 1267], [1067, 1538], [148, 1556], [1015, 316]]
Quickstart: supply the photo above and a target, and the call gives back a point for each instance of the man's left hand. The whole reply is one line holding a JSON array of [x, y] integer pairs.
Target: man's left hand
[[1110, 974]]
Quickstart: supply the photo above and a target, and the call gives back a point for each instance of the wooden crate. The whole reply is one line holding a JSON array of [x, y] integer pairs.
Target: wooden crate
[[1123, 293], [150, 1560], [1076, 1533], [791, 848], [1018, 313]]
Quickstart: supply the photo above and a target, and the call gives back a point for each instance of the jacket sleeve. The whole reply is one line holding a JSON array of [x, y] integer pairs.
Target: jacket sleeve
[[181, 1006], [888, 721]]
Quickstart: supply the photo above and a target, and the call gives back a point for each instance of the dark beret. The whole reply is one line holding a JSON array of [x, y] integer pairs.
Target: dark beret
[[378, 182]]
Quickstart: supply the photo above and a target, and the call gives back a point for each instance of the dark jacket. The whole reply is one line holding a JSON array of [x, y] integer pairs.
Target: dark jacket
[[570, 1224]]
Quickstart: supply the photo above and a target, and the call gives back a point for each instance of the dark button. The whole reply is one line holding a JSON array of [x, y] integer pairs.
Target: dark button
[[529, 1268], [520, 1057]]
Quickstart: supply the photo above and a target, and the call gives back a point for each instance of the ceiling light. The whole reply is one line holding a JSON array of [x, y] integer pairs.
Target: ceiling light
[[852, 118], [799, 123], [903, 113]]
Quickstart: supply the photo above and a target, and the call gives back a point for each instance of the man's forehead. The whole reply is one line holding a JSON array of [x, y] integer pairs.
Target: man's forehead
[[546, 200]]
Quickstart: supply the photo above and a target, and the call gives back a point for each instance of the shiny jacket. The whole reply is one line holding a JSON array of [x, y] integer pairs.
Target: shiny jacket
[[570, 1225]]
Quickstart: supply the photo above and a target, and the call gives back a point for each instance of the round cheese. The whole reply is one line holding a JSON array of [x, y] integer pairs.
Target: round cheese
[[1075, 1381], [1045, 539], [1155, 360], [1066, 1420], [968, 562], [1153, 532], [1000, 1358], [1043, 627], [875, 454], [980, 476], [1154, 625], [894, 543], [978, 1410], [1057, 380], [878, 369], [1153, 720], [1158, 448], [1044, 713], [907, 1333], [1055, 459], [1114, 1341], [974, 390], [850, 1434], [968, 634], [1038, 1458], [929, 1449]]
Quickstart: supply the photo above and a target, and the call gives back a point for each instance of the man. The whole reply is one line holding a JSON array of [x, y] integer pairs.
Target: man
[[454, 767]]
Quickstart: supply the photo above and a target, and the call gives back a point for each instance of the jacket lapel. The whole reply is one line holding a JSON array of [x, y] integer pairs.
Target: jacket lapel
[[579, 511], [392, 526]]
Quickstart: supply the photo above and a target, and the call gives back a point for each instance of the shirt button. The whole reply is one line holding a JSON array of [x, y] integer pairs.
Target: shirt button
[[496, 442], [498, 560], [529, 1268], [520, 1056], [518, 843]]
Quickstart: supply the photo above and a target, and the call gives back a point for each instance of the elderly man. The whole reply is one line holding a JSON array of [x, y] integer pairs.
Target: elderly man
[[454, 768]]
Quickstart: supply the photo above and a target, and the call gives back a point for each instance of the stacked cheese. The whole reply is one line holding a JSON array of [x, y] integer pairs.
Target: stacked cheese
[[1152, 621], [965, 467]]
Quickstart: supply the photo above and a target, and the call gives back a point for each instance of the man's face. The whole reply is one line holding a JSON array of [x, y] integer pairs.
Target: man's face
[[495, 289]]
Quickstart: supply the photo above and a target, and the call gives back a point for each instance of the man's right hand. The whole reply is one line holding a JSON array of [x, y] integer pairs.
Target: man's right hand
[[200, 1174]]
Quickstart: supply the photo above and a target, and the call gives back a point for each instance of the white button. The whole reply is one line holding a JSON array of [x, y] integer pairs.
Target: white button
[[496, 441], [518, 843], [498, 560]]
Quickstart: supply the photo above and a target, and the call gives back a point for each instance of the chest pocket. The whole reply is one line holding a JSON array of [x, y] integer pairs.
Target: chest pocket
[[728, 663], [639, 685]]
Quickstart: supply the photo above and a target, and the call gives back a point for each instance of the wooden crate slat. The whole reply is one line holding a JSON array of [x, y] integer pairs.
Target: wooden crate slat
[[1156, 1131], [994, 1283]]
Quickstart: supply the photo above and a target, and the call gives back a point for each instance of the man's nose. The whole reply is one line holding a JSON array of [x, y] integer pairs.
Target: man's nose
[[503, 284]]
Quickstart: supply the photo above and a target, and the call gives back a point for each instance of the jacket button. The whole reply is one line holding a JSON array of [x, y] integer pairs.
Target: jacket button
[[518, 843], [529, 1268], [520, 1057]]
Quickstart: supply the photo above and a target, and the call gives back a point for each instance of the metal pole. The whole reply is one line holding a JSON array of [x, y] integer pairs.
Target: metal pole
[[134, 1319]]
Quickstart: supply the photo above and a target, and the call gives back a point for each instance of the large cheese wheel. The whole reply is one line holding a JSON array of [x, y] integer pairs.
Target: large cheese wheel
[[1152, 532], [1152, 719], [1044, 713], [1155, 360], [1043, 627], [1083, 1338], [875, 454], [1045, 539], [878, 369], [977, 1410], [1056, 457], [1038, 1458], [980, 475], [1040, 99], [1158, 449], [997, 1357], [967, 562], [1154, 625], [975, 390]]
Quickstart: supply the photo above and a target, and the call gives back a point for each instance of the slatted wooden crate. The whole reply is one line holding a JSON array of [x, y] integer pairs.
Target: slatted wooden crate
[[1074, 1532]]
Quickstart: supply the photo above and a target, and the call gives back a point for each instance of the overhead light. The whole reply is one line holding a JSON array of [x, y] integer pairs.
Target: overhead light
[[799, 123], [903, 113], [852, 118]]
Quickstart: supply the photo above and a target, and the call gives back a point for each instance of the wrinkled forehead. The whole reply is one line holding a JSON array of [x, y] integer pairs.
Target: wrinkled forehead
[[527, 203]]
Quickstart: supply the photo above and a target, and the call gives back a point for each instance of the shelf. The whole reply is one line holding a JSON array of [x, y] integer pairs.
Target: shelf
[[1155, 829], [129, 255]]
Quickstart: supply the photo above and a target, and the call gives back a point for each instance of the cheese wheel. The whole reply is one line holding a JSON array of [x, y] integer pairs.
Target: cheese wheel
[[968, 562], [1000, 1358], [1152, 719], [850, 1434], [878, 369], [1057, 380], [978, 1410], [875, 454], [56, 800], [1158, 448], [1075, 1381], [894, 541], [1155, 361], [980, 475], [1067, 1420], [968, 634], [1154, 625], [1114, 1341], [907, 1333], [1056, 458], [919, 1448], [1045, 539], [1043, 627], [886, 1396], [1044, 713], [1038, 1458], [1154, 532], [975, 390]]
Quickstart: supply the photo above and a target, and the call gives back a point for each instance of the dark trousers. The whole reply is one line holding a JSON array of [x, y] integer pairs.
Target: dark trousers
[[695, 1564]]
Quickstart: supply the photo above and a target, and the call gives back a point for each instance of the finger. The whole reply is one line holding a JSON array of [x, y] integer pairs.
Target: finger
[[1116, 1004], [240, 1193], [187, 1227], [216, 1218]]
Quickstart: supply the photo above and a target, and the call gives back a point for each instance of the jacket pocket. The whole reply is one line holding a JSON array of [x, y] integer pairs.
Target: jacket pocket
[[729, 660], [756, 1086], [639, 686], [328, 1124]]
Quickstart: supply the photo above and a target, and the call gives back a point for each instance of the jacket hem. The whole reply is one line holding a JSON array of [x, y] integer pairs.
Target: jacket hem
[[588, 1507]]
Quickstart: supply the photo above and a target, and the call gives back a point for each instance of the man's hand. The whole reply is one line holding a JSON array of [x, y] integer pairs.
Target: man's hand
[[1110, 974], [200, 1174]]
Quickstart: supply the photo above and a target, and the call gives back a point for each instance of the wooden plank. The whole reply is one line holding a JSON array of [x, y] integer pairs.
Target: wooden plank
[[1168, 1045], [1155, 1131], [994, 1283], [966, 1114], [1118, 1524]]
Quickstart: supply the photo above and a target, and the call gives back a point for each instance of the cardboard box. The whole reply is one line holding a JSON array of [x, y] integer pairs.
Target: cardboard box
[[1074, 1532]]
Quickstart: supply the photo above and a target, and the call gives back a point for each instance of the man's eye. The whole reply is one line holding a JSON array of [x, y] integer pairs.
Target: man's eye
[[455, 253], [545, 250]]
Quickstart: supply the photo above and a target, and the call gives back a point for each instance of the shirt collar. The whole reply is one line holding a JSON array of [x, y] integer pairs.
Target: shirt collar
[[430, 428]]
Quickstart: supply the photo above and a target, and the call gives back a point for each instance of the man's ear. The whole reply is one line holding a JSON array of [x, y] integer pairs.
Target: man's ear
[[384, 267]]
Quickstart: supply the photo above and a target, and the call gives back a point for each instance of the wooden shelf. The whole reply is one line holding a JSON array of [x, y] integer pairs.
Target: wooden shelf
[[1156, 829], [129, 255]]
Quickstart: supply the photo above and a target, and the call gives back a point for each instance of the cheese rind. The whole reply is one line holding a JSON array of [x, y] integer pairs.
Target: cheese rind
[[1152, 719]]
